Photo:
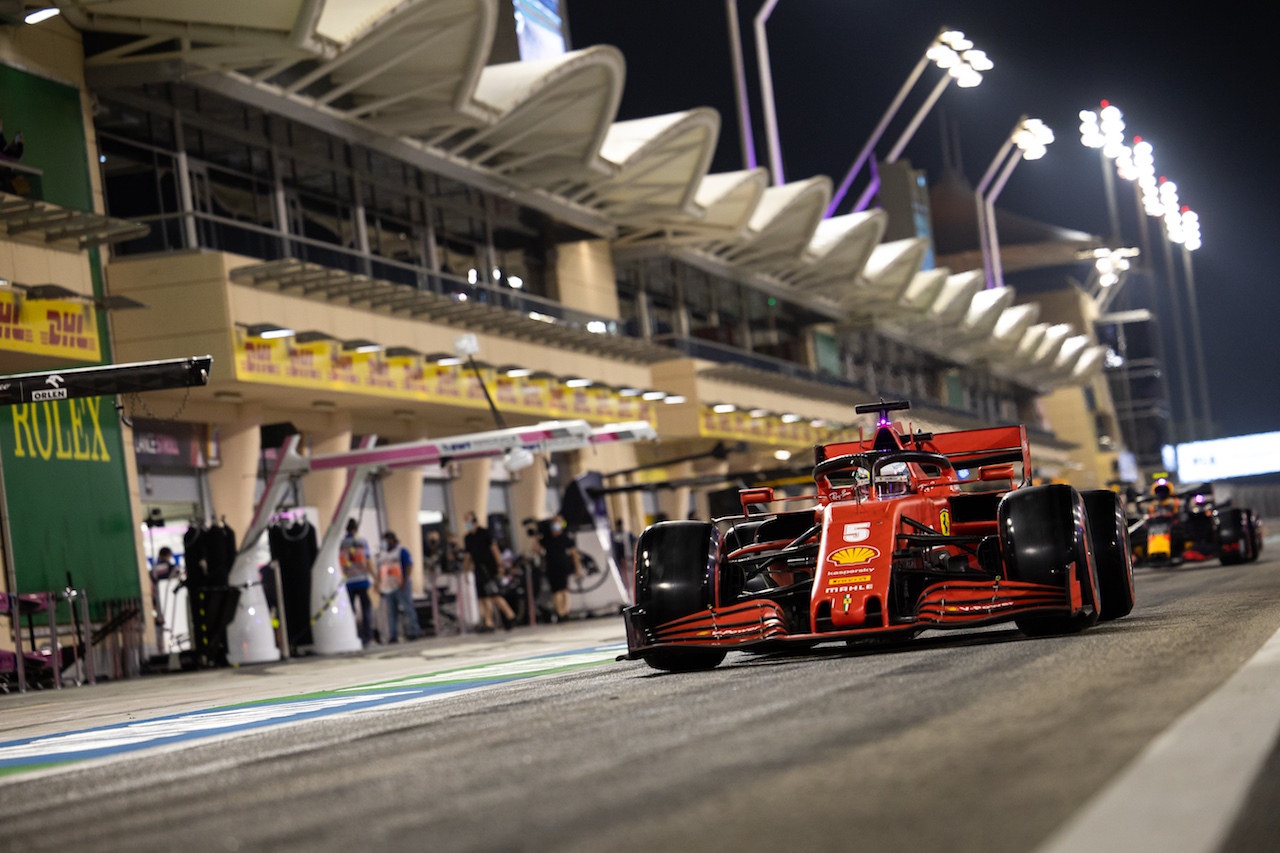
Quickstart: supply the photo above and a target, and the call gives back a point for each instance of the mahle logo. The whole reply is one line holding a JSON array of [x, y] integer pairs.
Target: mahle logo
[[853, 556]]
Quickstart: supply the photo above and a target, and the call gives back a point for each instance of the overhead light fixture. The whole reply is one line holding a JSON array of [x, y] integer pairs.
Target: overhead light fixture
[[472, 276], [724, 408], [311, 336], [269, 331], [401, 352], [515, 281], [42, 15], [449, 360], [653, 395], [782, 455], [790, 418], [597, 327], [673, 399], [361, 345], [518, 372], [759, 413], [629, 392], [817, 423], [576, 382]]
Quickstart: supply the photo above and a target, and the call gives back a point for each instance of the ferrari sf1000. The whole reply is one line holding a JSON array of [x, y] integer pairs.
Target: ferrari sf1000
[[906, 531]]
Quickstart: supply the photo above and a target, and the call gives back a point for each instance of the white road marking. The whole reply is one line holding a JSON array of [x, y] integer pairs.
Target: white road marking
[[209, 722], [1183, 793]]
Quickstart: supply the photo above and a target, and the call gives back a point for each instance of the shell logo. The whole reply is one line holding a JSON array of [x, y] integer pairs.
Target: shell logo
[[855, 555]]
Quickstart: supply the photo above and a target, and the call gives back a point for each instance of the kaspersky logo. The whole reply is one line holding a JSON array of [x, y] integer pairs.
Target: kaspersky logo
[[854, 556]]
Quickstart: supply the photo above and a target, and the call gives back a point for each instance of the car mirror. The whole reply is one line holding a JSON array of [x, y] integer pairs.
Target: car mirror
[[749, 497]]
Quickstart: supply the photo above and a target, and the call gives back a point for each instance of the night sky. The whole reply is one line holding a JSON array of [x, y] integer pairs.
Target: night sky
[[1200, 88]]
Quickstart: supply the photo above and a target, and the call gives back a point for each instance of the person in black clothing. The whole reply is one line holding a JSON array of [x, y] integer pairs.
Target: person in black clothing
[[483, 557], [561, 559]]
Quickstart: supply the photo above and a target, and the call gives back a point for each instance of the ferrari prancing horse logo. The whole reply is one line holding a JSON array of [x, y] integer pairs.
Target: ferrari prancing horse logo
[[853, 556], [944, 522]]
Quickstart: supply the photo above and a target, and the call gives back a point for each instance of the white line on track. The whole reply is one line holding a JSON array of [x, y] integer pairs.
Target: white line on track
[[1184, 791]]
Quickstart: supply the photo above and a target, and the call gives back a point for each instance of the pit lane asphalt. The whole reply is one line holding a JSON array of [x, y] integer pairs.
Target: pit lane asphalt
[[986, 742]]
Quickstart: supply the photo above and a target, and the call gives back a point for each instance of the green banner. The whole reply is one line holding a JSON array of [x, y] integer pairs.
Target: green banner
[[68, 498], [64, 469]]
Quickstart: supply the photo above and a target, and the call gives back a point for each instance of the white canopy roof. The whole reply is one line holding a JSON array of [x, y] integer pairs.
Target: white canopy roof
[[412, 77]]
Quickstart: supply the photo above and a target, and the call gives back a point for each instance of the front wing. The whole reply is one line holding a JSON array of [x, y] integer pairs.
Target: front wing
[[748, 624]]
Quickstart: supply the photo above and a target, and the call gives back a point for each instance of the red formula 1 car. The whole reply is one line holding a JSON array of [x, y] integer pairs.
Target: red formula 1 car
[[908, 531]]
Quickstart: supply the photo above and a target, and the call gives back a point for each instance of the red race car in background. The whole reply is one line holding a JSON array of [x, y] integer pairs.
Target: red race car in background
[[907, 531]]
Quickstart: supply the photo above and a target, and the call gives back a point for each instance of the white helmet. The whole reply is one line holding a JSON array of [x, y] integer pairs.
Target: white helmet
[[893, 480]]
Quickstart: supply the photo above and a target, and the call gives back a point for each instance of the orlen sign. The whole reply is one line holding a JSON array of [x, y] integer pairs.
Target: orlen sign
[[1222, 458]]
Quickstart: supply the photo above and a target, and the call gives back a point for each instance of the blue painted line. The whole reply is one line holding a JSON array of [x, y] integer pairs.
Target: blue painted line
[[125, 738]]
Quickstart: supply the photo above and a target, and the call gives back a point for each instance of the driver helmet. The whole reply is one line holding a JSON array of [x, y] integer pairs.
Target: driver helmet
[[893, 480], [1162, 490], [862, 482]]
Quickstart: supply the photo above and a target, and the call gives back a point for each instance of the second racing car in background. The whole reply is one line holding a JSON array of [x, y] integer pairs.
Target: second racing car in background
[[906, 531], [1193, 525]]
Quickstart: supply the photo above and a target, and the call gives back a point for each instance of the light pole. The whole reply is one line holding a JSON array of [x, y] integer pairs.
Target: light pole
[[1031, 137], [766, 93], [1158, 198], [950, 51], [1190, 243], [740, 85], [1104, 130]]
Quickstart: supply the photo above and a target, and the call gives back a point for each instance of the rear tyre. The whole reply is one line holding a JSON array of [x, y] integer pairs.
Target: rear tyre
[[1109, 530], [1255, 540], [1235, 538], [1043, 531], [675, 576]]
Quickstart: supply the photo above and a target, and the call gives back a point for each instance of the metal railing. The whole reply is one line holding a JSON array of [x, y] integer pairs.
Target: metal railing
[[269, 244]]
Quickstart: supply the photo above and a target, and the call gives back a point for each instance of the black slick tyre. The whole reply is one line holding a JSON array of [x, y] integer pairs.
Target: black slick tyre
[[675, 577], [1043, 531], [685, 660], [1109, 530], [1235, 539]]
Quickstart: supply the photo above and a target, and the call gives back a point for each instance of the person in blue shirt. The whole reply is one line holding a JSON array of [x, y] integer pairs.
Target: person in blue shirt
[[397, 588], [353, 557]]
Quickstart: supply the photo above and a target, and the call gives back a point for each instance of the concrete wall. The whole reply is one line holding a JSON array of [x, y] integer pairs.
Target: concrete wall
[[585, 277]]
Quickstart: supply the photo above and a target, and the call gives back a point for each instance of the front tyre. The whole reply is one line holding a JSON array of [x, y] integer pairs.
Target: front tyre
[[1044, 530], [1109, 530], [675, 576], [685, 660]]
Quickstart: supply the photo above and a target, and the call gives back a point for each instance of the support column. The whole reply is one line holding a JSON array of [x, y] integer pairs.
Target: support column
[[403, 490], [471, 492], [675, 502], [637, 517], [702, 496], [233, 482], [323, 489], [528, 500]]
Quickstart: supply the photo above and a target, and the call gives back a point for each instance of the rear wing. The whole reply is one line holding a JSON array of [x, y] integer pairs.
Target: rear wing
[[970, 448], [977, 448]]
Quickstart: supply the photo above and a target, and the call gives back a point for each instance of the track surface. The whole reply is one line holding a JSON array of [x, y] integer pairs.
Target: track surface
[[985, 741]]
